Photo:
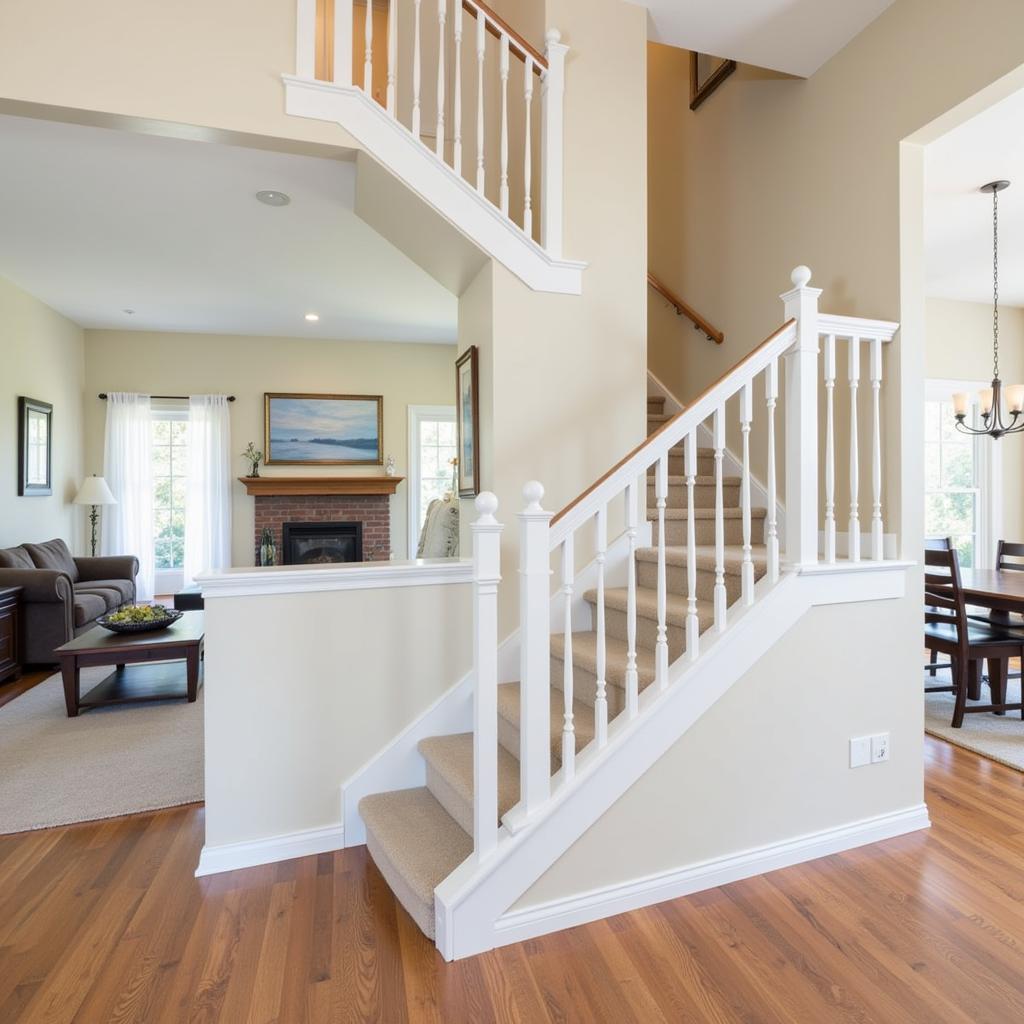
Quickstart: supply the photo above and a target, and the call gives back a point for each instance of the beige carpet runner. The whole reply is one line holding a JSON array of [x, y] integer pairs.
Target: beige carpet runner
[[417, 837]]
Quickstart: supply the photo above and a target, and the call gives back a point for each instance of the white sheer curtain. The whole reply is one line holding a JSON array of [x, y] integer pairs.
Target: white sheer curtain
[[128, 468], [208, 486]]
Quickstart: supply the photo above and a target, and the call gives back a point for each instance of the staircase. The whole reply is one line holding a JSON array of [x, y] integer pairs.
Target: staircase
[[417, 837]]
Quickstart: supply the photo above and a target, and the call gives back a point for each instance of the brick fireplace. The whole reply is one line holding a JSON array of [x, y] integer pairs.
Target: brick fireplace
[[363, 500]]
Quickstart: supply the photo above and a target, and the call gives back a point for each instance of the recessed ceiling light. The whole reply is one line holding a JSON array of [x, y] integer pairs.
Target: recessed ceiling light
[[312, 317], [271, 197], [128, 312]]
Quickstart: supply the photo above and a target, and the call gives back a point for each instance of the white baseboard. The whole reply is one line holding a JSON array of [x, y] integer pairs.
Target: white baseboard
[[231, 856], [530, 922]]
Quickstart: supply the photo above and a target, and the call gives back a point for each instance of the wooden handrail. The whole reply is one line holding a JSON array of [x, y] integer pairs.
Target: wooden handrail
[[498, 26], [682, 309], [669, 424]]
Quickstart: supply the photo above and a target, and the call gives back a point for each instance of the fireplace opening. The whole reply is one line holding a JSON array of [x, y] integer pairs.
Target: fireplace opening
[[316, 543]]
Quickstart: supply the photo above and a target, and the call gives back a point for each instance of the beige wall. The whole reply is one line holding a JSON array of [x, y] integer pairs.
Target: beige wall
[[181, 364], [567, 373], [297, 707], [41, 356], [959, 347]]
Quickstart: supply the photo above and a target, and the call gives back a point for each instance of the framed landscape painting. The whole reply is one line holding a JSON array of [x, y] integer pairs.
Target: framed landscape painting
[[323, 430], [35, 448], [467, 419]]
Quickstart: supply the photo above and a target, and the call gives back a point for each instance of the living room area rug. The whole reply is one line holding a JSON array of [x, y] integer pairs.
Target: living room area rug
[[997, 737], [108, 761]]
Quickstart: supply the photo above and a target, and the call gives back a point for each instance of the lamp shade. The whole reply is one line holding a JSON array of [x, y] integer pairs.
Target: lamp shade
[[94, 491]]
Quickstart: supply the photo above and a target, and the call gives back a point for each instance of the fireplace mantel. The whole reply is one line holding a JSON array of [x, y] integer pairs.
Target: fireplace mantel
[[305, 486]]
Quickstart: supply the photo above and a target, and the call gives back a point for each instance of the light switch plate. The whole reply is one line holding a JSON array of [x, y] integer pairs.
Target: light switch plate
[[860, 751], [880, 748]]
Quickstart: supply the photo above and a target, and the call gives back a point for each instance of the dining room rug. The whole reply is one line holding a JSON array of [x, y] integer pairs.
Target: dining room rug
[[108, 761], [999, 738]]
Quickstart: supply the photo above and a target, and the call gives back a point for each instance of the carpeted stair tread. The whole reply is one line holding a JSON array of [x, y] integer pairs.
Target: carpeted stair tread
[[647, 605], [451, 757], [701, 481], [415, 844], [509, 708], [730, 512], [584, 654], [675, 554]]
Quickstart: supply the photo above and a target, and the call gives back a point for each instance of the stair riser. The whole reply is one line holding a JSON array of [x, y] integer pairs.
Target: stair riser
[[458, 808], [655, 406], [508, 737], [703, 495], [677, 582], [584, 687], [677, 464], [675, 531], [646, 632]]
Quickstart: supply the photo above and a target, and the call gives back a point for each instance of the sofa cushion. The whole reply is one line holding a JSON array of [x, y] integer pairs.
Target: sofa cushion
[[89, 606], [54, 555], [124, 589], [16, 558], [111, 598]]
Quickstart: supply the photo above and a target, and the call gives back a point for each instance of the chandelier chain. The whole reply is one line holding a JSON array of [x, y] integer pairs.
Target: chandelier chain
[[995, 282]]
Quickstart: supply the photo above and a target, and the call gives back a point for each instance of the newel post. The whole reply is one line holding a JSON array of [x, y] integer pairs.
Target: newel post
[[553, 145], [535, 650], [801, 414], [486, 577]]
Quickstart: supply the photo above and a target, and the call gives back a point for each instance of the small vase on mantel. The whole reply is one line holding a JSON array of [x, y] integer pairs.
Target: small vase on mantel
[[268, 549]]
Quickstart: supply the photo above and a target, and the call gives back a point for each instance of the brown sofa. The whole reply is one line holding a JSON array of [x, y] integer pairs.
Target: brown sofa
[[61, 595]]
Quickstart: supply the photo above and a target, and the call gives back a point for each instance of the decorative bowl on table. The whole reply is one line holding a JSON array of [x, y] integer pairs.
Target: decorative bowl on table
[[139, 618]]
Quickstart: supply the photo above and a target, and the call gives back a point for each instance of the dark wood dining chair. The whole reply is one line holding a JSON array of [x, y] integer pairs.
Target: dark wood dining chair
[[948, 631], [1009, 558]]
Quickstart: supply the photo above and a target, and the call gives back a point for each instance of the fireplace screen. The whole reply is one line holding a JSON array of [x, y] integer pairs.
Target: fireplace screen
[[314, 543]]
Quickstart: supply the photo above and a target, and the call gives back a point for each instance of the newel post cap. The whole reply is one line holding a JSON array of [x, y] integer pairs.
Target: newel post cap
[[552, 36], [532, 493], [801, 276], [486, 505]]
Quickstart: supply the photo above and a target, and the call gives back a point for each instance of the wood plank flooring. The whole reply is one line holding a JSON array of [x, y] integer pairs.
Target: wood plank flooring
[[103, 923]]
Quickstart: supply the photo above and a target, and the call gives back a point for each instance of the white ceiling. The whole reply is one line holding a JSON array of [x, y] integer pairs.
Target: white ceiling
[[794, 36], [958, 219], [94, 221]]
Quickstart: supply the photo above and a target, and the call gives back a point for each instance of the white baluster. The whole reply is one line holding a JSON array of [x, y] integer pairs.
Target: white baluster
[[486, 533], [528, 150], [692, 621], [305, 38], [416, 70], [481, 46], [632, 677], [747, 569], [854, 534], [721, 597], [771, 393], [877, 536], [457, 98], [552, 151], [568, 727], [661, 642], [503, 192], [392, 92], [830, 449], [535, 651], [345, 43], [601, 699], [442, 13], [368, 42]]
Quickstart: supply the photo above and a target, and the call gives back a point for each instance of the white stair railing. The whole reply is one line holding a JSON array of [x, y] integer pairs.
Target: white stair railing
[[543, 537], [431, 33]]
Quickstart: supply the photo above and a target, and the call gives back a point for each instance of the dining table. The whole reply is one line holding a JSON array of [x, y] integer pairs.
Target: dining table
[[1002, 592]]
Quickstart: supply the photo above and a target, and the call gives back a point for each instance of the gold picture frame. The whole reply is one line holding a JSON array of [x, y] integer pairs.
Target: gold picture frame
[[300, 429]]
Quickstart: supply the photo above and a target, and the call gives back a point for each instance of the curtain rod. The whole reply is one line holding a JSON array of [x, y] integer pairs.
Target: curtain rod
[[179, 398]]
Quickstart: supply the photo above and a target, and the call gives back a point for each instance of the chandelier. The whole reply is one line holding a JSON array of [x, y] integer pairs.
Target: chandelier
[[990, 399]]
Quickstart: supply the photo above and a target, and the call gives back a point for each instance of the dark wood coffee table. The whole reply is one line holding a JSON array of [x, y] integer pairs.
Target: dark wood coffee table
[[156, 672]]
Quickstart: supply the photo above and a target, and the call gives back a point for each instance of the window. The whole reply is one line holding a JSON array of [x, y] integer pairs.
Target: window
[[959, 478], [170, 466], [431, 448]]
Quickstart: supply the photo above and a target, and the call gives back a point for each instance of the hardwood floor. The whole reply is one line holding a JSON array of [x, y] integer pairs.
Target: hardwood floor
[[104, 922]]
